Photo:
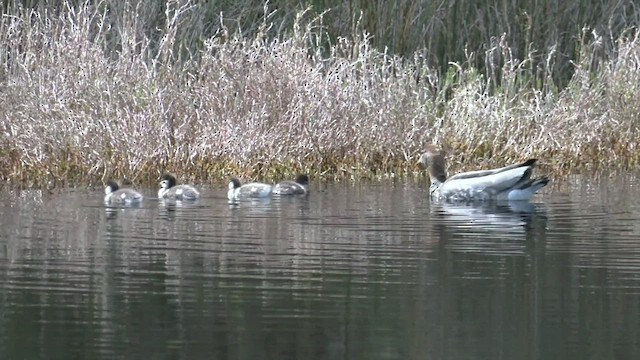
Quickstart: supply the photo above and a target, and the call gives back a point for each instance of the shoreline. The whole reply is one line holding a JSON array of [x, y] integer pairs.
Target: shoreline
[[217, 173]]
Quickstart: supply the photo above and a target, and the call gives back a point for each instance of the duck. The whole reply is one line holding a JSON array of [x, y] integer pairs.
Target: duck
[[170, 190], [115, 195], [247, 191], [512, 183], [299, 186]]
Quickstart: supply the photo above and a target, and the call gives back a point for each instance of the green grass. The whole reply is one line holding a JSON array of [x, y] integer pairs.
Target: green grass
[[95, 92]]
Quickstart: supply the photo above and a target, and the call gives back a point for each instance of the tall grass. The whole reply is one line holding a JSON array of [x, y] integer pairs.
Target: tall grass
[[448, 30], [110, 89]]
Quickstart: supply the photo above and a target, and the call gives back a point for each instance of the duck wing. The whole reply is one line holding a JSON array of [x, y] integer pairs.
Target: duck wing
[[487, 183], [481, 173]]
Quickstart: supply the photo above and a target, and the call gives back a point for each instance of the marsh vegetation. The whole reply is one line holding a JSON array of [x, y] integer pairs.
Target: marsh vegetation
[[91, 90]]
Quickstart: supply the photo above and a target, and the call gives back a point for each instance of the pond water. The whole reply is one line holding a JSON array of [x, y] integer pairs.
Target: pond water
[[354, 271]]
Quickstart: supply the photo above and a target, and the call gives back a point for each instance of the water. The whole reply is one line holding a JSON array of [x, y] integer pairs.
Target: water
[[367, 271]]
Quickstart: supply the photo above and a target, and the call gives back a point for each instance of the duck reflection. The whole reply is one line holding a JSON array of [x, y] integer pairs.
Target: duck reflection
[[498, 227], [498, 214]]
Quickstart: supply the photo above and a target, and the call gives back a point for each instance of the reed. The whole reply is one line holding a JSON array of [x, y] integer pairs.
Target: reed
[[113, 90]]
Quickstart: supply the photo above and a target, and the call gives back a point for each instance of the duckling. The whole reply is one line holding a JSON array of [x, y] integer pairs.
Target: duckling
[[252, 190], [115, 195], [170, 190], [299, 186]]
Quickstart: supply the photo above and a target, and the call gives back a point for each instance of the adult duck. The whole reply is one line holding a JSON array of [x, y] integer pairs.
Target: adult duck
[[512, 182]]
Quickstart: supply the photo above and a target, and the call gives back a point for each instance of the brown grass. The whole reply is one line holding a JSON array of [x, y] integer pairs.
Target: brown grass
[[86, 95]]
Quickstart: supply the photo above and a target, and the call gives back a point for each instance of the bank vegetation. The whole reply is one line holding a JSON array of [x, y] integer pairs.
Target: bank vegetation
[[91, 90]]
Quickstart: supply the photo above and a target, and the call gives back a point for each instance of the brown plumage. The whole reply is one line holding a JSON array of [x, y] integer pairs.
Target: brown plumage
[[433, 159]]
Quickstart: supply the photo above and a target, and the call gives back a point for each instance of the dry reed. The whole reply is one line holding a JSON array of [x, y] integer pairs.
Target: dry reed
[[87, 93]]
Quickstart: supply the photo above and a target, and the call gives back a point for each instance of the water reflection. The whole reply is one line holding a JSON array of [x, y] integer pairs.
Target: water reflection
[[490, 215], [501, 228], [354, 271]]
